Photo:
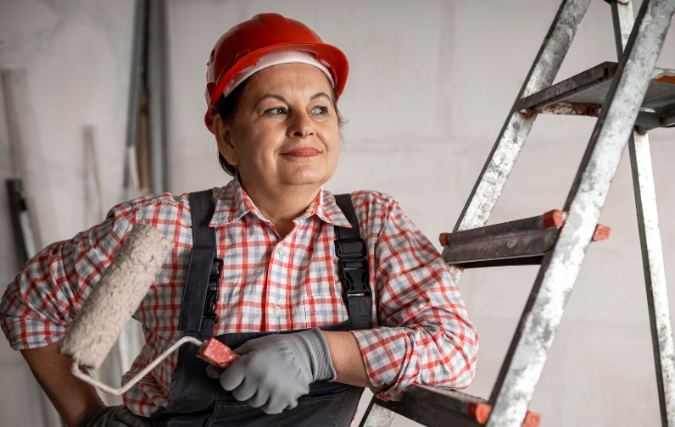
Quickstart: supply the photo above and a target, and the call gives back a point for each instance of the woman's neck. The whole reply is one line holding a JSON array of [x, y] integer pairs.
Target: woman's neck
[[282, 205]]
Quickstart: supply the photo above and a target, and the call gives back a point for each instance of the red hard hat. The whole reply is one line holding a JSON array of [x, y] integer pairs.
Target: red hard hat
[[262, 35]]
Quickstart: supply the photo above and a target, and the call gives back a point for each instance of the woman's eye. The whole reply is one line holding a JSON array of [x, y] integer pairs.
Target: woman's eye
[[320, 110], [275, 111]]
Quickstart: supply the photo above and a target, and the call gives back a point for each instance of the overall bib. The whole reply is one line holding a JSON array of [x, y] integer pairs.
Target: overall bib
[[195, 399]]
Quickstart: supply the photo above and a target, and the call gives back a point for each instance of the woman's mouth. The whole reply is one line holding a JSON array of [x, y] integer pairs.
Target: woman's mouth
[[302, 152]]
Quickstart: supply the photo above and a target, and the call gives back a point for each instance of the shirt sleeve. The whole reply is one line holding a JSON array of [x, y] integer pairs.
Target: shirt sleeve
[[45, 296], [423, 334]]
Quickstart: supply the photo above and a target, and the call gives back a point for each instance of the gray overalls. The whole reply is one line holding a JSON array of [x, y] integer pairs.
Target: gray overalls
[[195, 400]]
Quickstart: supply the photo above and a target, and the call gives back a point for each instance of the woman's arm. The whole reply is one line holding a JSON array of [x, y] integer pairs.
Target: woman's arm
[[72, 398], [347, 359], [423, 333], [41, 302]]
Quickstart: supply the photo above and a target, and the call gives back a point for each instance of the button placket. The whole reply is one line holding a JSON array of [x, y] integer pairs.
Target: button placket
[[276, 310]]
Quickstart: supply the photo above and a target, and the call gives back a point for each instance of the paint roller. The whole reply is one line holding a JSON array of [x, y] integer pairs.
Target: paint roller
[[114, 300]]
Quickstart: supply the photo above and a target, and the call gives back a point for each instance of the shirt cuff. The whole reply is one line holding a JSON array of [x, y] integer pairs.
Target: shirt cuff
[[25, 333], [385, 352]]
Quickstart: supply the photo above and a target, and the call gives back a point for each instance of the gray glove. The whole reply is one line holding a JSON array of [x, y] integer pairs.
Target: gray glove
[[113, 416], [275, 370]]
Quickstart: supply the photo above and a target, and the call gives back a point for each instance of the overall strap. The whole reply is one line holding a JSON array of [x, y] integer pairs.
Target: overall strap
[[352, 254], [200, 293]]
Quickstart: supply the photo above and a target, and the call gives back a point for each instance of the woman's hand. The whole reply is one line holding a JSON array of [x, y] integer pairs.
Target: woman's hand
[[275, 370]]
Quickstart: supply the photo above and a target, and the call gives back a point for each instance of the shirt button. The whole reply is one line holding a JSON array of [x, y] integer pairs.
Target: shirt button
[[281, 250], [276, 311]]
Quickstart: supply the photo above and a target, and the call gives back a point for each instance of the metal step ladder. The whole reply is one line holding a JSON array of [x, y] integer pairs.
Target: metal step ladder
[[628, 99]]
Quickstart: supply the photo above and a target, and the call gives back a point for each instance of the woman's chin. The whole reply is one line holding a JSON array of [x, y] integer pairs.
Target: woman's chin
[[306, 176]]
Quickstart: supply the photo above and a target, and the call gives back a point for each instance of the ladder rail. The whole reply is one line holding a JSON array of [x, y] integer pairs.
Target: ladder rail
[[655, 275], [377, 416], [650, 241], [542, 315], [543, 312], [516, 128]]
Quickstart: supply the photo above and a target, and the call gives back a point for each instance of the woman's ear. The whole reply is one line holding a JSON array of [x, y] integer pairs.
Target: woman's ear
[[224, 140]]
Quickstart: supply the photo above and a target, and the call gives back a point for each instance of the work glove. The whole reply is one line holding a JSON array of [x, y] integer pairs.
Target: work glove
[[275, 370], [113, 416]]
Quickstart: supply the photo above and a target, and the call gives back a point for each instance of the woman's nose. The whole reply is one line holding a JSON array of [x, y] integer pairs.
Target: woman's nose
[[301, 125]]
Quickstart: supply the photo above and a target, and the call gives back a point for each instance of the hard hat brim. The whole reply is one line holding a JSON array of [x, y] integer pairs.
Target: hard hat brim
[[332, 57]]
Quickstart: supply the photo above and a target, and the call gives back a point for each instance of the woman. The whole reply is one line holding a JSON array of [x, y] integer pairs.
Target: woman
[[321, 295]]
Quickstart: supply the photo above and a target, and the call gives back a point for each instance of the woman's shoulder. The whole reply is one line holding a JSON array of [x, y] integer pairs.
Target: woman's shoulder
[[371, 199], [372, 208], [151, 206], [376, 211]]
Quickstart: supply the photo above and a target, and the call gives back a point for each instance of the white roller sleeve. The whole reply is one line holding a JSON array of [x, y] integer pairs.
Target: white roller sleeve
[[116, 297]]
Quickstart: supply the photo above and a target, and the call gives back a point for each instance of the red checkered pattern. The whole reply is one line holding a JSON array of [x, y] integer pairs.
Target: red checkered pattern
[[421, 331]]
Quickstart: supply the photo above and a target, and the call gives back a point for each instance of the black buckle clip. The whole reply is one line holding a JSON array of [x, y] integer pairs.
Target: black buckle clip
[[216, 275], [355, 280], [213, 291], [353, 266]]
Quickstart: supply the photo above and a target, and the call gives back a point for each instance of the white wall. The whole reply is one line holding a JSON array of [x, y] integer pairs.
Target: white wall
[[430, 85], [77, 54]]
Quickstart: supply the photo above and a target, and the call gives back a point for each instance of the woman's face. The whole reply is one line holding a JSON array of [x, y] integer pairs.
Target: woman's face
[[285, 131]]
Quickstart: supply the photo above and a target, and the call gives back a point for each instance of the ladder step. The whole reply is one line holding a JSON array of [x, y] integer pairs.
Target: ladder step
[[520, 242], [585, 93], [435, 406]]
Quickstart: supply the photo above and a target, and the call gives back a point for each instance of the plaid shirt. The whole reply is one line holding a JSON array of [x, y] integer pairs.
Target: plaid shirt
[[421, 330]]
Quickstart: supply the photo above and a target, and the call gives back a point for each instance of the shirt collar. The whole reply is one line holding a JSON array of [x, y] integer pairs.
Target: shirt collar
[[329, 211], [232, 203]]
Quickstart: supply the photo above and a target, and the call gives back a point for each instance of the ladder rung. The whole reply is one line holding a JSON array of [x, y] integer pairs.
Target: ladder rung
[[520, 242], [435, 406], [585, 93]]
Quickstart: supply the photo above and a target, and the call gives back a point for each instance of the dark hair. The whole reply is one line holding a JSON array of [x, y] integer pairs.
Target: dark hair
[[228, 108]]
